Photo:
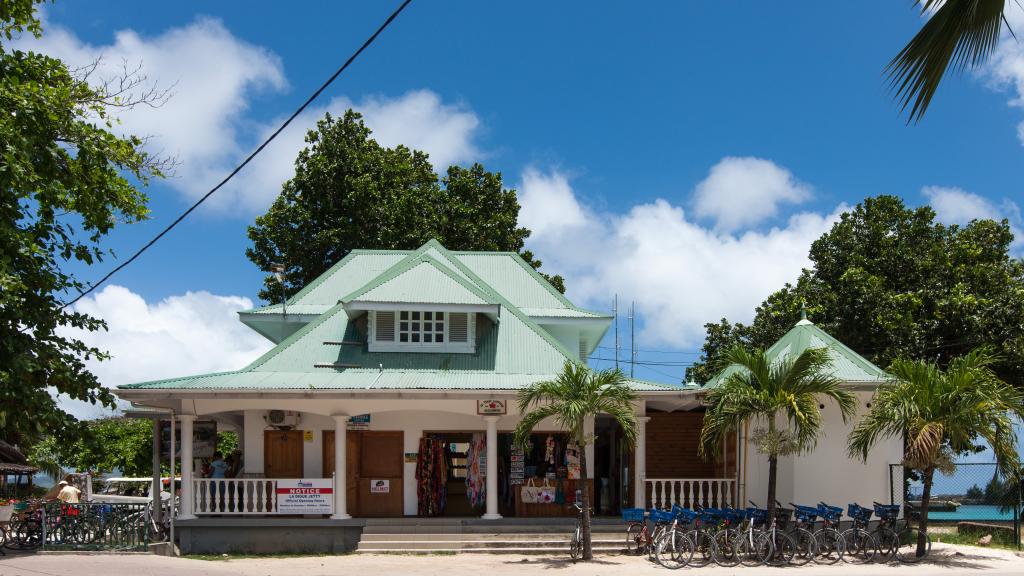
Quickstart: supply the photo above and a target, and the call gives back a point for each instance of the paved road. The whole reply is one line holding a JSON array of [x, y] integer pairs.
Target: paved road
[[948, 561]]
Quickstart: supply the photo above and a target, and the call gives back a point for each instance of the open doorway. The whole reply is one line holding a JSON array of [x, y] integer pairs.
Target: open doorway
[[612, 459]]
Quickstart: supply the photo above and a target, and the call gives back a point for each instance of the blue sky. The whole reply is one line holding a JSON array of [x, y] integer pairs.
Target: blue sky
[[680, 154]]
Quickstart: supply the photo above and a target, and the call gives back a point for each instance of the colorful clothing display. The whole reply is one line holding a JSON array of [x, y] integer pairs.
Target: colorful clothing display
[[431, 478], [476, 466]]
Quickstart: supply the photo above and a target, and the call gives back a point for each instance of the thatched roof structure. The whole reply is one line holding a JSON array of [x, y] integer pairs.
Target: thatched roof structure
[[12, 461]]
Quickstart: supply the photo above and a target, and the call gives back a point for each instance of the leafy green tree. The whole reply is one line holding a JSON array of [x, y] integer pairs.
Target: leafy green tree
[[975, 493], [119, 443], [770, 394], [350, 192], [65, 181], [890, 282], [941, 413], [576, 394], [958, 34]]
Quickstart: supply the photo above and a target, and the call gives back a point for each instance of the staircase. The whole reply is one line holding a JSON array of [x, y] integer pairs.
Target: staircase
[[508, 536]]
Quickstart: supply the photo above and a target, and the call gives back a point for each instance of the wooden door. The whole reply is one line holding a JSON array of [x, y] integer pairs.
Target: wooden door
[[381, 463], [282, 453], [351, 466]]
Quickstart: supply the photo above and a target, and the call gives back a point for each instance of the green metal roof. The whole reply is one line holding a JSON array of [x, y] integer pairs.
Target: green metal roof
[[421, 279], [846, 364]]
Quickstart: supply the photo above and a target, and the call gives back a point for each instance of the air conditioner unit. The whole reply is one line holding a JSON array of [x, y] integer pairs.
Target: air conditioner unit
[[282, 419]]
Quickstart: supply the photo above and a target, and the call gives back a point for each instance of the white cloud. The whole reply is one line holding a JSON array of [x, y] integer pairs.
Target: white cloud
[[212, 76], [193, 333], [957, 206], [739, 192], [681, 274], [419, 119], [206, 125], [1005, 71]]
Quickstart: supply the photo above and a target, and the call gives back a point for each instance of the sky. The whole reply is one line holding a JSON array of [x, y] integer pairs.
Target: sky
[[681, 155]]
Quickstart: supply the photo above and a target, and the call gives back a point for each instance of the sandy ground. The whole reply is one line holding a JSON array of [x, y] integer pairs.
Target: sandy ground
[[945, 560]]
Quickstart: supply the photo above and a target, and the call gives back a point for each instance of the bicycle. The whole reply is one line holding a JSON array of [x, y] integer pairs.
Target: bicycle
[[861, 545], [727, 537], [639, 538], [673, 549], [754, 547], [784, 546], [806, 544], [829, 541], [898, 539], [25, 530], [702, 534]]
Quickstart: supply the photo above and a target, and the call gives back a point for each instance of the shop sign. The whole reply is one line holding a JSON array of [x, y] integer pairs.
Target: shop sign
[[485, 407], [380, 486], [204, 439], [305, 496], [411, 457], [307, 435], [360, 422]]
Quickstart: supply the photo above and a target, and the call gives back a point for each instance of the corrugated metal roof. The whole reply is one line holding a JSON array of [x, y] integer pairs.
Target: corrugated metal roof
[[846, 364], [311, 309], [561, 313], [422, 279], [502, 272], [363, 379]]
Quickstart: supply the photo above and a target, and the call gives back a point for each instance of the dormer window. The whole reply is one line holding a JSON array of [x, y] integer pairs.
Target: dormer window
[[421, 331]]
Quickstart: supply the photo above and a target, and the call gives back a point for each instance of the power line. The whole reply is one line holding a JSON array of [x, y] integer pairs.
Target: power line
[[646, 350], [648, 363], [248, 159]]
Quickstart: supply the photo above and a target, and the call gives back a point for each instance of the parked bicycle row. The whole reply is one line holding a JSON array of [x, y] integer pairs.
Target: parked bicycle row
[[79, 526], [798, 535]]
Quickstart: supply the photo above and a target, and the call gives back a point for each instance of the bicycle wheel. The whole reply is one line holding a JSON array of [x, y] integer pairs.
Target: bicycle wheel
[[575, 545], [806, 546], [703, 548], [636, 535], [860, 546], [888, 544], [908, 541], [674, 549], [753, 548], [725, 547], [830, 546], [783, 549]]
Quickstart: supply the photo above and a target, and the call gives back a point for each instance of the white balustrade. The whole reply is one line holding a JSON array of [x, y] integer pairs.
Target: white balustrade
[[662, 493], [235, 496]]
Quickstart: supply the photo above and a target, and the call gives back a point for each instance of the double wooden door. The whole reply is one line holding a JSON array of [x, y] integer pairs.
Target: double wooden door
[[371, 457]]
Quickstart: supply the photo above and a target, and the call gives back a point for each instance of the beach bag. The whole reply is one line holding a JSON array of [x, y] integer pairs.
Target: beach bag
[[548, 494], [530, 492]]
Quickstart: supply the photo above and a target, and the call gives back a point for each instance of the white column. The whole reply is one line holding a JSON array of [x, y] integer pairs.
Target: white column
[[340, 468], [186, 466], [157, 485], [640, 461], [492, 469]]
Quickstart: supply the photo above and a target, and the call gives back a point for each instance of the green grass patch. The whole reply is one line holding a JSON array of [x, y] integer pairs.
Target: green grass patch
[[1000, 539]]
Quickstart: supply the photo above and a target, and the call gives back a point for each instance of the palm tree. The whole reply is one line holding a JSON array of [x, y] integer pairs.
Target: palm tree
[[574, 395], [958, 33], [785, 392], [942, 413]]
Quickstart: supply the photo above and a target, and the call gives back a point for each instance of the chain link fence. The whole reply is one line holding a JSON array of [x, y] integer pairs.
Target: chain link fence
[[973, 501]]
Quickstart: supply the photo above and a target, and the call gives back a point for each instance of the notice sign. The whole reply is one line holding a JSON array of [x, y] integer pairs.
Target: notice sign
[[485, 407], [380, 486], [312, 496]]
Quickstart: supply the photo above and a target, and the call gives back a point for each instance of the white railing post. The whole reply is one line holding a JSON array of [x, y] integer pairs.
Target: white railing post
[[691, 492]]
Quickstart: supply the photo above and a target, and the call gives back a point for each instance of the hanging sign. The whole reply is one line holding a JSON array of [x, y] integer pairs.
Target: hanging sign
[[305, 496], [307, 435], [411, 457], [380, 486], [484, 407], [204, 439], [360, 422]]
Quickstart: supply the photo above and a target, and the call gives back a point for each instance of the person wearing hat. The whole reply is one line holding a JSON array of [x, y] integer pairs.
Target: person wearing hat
[[68, 494]]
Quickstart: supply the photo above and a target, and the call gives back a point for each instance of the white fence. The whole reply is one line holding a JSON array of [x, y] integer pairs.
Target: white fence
[[242, 496], [690, 492]]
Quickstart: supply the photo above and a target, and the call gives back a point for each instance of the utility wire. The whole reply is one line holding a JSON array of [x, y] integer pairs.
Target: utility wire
[[248, 159]]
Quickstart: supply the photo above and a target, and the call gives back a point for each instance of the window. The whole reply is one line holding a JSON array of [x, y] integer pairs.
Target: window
[[422, 331], [421, 327]]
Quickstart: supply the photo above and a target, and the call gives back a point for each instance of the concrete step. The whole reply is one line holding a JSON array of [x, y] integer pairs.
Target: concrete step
[[486, 529]]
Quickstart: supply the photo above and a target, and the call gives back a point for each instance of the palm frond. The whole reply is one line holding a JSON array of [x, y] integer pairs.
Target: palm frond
[[959, 33]]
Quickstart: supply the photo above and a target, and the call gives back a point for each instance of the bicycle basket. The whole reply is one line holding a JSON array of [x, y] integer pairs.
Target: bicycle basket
[[858, 512], [633, 514], [660, 515], [887, 511], [758, 515], [830, 513], [806, 513], [685, 515]]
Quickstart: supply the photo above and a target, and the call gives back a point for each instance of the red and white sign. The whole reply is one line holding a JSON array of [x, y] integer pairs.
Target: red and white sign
[[305, 496]]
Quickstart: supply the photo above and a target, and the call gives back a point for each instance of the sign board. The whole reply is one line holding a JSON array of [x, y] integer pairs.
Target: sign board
[[380, 486], [484, 407], [204, 439], [360, 422], [307, 435], [305, 496], [411, 457]]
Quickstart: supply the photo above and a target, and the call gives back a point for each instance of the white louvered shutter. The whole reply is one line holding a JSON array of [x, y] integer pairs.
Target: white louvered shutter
[[384, 326], [458, 327]]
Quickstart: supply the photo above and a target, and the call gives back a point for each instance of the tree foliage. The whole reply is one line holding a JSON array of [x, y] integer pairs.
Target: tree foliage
[[120, 443], [576, 394], [350, 192], [767, 394], [942, 413], [890, 282], [65, 181]]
